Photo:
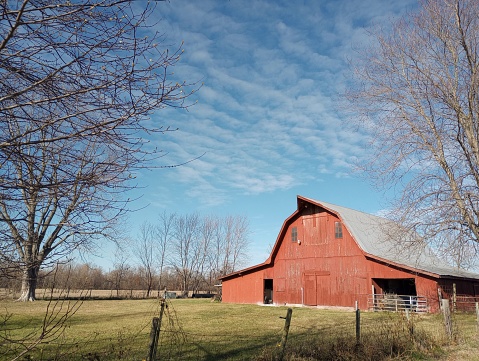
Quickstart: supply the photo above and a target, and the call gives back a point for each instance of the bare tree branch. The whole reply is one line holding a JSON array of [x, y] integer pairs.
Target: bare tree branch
[[416, 93], [78, 84]]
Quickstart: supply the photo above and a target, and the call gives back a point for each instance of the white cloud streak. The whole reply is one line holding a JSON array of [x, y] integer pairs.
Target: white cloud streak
[[266, 117]]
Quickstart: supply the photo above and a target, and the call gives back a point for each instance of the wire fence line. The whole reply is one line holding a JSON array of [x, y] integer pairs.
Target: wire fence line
[[187, 334], [176, 343]]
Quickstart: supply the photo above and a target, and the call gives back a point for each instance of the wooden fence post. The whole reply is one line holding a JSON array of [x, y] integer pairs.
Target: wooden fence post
[[358, 324], [477, 316], [284, 338], [410, 323], [439, 294], [454, 297], [447, 317], [155, 334]]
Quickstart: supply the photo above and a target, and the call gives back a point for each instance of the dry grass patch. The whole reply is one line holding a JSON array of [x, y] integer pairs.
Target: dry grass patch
[[205, 330]]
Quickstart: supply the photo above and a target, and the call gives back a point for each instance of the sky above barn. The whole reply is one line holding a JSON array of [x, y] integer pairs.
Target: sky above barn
[[267, 123]]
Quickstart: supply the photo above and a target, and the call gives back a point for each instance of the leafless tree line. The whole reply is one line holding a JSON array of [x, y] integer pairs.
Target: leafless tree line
[[196, 249], [82, 278], [179, 252]]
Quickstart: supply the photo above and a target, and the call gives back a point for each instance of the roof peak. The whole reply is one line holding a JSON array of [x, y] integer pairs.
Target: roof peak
[[386, 239]]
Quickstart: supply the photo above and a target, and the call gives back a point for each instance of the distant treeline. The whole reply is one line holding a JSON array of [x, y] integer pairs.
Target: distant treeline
[[186, 253], [120, 282]]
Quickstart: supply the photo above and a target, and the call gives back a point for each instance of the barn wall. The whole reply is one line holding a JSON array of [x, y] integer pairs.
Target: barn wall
[[467, 292], [320, 269], [463, 287], [426, 286], [247, 288]]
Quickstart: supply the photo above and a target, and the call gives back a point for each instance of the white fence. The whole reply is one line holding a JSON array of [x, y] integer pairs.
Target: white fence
[[397, 303]]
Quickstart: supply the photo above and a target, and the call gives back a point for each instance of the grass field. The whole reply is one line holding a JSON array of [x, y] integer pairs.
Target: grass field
[[204, 330]]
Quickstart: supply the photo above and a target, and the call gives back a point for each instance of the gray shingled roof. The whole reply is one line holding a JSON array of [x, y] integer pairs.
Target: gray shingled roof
[[384, 239]]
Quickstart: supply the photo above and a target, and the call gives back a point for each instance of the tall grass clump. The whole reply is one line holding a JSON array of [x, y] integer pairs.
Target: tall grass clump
[[201, 330], [386, 337]]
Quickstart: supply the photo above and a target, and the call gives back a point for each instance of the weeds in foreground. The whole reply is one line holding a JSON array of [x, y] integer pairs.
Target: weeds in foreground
[[393, 338], [200, 330]]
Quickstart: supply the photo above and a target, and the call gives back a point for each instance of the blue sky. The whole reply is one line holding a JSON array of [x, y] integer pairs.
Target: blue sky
[[266, 117]]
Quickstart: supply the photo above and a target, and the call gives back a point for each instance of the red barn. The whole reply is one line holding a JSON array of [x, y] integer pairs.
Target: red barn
[[327, 255]]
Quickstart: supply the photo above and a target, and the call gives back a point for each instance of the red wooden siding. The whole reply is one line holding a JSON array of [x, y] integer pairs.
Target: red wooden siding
[[318, 269], [244, 289]]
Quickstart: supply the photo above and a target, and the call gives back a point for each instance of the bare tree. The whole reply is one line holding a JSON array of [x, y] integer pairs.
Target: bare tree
[[417, 92], [205, 248], [163, 235], [144, 250], [230, 244], [97, 52], [119, 274], [240, 242], [184, 255], [78, 82]]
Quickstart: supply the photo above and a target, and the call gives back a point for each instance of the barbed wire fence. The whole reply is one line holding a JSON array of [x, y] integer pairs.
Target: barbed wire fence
[[381, 335], [392, 333], [174, 343]]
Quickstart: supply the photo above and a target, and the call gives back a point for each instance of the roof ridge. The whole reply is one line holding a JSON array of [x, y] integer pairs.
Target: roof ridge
[[346, 208], [375, 236]]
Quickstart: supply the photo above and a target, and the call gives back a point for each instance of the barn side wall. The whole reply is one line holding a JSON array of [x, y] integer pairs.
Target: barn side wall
[[426, 286], [245, 288], [466, 293]]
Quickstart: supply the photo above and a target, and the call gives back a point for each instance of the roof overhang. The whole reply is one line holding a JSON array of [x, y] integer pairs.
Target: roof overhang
[[401, 266], [244, 271]]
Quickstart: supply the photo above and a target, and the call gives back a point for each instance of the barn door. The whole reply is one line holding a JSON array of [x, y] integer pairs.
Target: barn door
[[310, 290], [268, 291], [323, 290]]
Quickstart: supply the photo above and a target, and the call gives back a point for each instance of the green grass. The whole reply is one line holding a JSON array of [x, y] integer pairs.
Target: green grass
[[205, 330]]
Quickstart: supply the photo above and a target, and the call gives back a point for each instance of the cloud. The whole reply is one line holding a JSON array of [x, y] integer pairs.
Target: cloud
[[266, 117]]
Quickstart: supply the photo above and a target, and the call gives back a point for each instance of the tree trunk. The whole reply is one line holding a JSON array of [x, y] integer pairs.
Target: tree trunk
[[149, 285], [29, 284], [185, 287]]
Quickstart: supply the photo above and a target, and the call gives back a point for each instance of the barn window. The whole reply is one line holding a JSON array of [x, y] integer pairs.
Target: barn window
[[338, 230], [294, 234]]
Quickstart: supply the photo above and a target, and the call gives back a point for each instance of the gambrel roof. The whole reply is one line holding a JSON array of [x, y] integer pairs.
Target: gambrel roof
[[386, 241], [380, 239]]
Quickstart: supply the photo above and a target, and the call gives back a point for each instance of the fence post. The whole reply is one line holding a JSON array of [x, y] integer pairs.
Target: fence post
[[477, 316], [439, 294], [155, 333], [454, 297], [447, 317], [358, 324], [284, 338], [410, 323]]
